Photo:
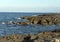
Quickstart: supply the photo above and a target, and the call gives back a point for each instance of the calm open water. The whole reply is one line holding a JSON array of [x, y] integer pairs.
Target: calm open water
[[22, 29]]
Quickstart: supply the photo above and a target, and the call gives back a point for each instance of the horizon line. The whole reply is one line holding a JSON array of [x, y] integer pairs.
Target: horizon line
[[29, 12]]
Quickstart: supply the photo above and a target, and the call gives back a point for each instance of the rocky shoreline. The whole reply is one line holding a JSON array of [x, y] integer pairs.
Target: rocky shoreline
[[41, 37], [47, 19], [51, 19], [53, 36]]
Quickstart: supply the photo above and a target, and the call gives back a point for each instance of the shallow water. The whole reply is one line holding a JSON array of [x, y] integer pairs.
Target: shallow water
[[22, 29]]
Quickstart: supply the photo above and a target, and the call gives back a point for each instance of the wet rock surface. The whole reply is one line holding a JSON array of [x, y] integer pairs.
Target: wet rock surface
[[41, 37]]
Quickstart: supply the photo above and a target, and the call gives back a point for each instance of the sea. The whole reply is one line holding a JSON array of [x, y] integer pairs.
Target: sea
[[8, 29]]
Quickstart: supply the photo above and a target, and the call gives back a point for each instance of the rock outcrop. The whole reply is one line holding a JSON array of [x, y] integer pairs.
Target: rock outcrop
[[44, 19], [41, 37], [48, 19]]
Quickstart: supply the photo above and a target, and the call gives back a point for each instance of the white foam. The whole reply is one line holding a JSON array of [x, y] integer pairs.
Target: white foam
[[18, 18], [3, 22], [10, 21]]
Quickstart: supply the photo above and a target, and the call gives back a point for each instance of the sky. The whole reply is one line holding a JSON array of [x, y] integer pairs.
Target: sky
[[30, 6]]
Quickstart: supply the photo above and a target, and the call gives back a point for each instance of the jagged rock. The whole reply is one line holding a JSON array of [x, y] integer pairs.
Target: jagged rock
[[56, 21], [37, 20], [47, 19], [40, 37], [32, 19]]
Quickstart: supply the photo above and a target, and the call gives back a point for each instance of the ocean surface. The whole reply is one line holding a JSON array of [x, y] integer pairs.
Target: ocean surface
[[7, 29]]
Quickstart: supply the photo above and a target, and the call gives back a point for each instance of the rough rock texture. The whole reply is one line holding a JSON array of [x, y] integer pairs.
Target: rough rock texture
[[44, 19], [51, 19], [41, 37]]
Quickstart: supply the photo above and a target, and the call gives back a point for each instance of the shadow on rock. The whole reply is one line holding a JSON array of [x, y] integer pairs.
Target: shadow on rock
[[27, 39]]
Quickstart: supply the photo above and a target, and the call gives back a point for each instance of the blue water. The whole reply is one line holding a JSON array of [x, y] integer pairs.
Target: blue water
[[22, 29]]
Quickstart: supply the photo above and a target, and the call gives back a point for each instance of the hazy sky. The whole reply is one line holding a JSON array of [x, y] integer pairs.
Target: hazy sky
[[29, 5]]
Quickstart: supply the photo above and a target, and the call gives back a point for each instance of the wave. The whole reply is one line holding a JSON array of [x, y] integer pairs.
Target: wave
[[3, 23], [6, 22], [18, 18]]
